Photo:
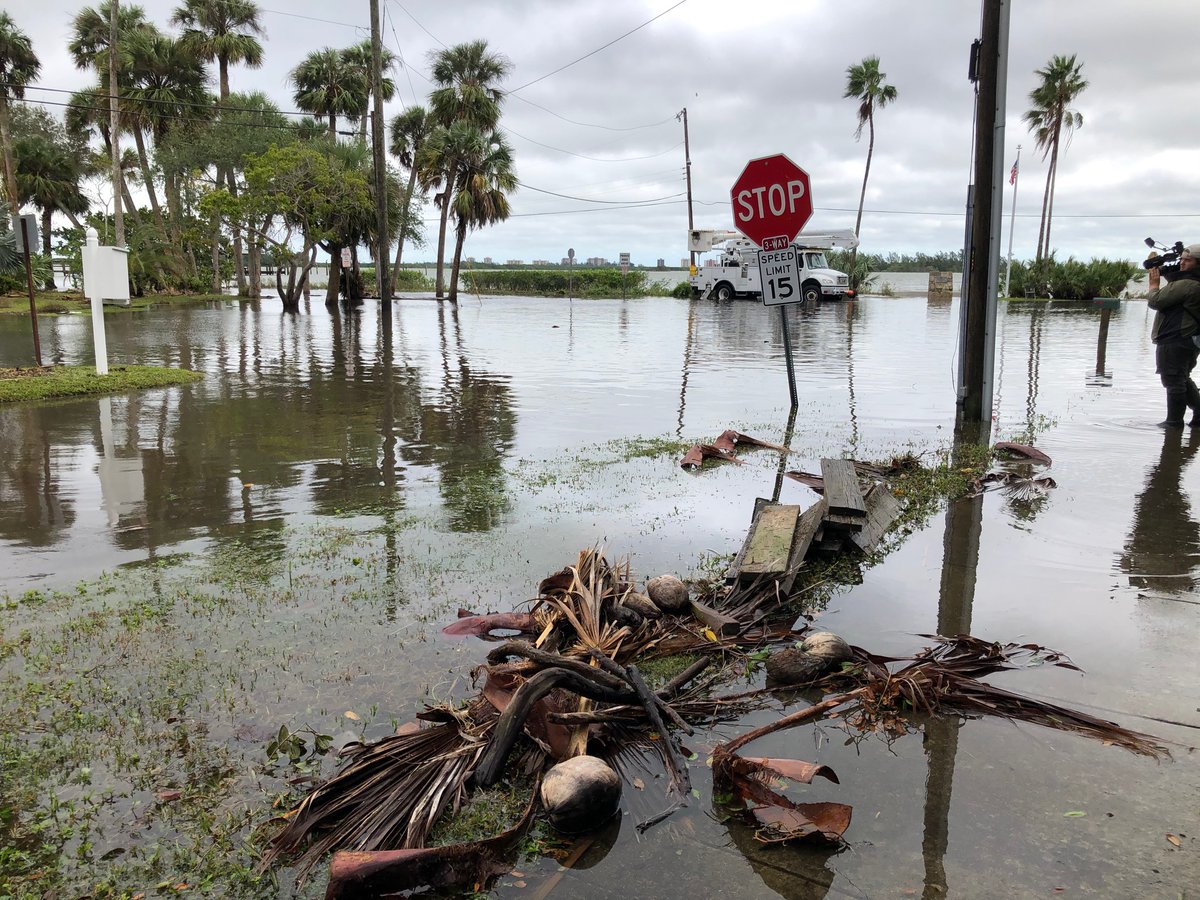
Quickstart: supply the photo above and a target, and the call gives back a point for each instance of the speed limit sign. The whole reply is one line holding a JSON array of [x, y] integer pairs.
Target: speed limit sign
[[779, 271]]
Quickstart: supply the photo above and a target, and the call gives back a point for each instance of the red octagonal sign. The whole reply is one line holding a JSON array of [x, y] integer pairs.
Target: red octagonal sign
[[771, 201]]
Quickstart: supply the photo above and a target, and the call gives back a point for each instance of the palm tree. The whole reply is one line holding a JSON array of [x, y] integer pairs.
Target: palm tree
[[358, 58], [864, 82], [221, 30], [49, 176], [89, 49], [409, 130], [1062, 81], [485, 178], [467, 77], [19, 65], [165, 85], [327, 86]]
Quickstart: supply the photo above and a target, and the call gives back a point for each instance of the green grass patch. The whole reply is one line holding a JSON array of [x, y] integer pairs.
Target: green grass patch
[[48, 382], [59, 303]]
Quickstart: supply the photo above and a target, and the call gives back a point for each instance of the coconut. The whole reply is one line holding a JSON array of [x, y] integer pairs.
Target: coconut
[[794, 666], [828, 646], [580, 794], [641, 604], [668, 593]]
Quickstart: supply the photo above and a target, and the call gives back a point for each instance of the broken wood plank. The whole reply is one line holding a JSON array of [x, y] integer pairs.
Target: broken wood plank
[[807, 525], [842, 492], [769, 545], [844, 525], [882, 509]]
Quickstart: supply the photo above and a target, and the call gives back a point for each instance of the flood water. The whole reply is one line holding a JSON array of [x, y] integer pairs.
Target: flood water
[[363, 483]]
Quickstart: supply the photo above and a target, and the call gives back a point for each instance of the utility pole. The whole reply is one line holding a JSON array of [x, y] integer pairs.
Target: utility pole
[[383, 244], [1012, 219], [687, 159], [979, 301], [114, 122]]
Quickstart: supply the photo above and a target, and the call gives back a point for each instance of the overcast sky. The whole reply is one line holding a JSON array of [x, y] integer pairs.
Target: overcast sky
[[767, 76]]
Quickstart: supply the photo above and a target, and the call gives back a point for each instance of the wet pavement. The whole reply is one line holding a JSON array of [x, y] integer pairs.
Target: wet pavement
[[458, 458]]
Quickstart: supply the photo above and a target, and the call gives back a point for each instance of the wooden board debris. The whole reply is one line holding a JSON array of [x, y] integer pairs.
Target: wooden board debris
[[769, 545], [882, 509], [842, 492]]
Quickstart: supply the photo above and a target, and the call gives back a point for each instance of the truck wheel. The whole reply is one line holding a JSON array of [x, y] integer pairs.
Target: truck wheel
[[724, 291], [811, 291]]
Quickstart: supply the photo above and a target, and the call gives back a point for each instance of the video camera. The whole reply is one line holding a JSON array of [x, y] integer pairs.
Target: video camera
[[1168, 262]]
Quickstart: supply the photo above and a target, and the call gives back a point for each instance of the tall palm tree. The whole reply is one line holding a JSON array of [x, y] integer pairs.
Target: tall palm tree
[[1061, 82], [467, 89], [409, 130], [49, 177], [90, 31], [327, 86], [224, 31], [485, 178], [19, 65], [864, 82], [359, 58]]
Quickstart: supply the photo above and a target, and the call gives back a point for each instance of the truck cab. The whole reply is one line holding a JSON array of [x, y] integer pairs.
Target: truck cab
[[734, 272]]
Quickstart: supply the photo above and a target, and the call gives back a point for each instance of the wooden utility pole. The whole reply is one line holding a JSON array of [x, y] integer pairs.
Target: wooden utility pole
[[383, 244], [687, 161], [114, 122], [982, 265]]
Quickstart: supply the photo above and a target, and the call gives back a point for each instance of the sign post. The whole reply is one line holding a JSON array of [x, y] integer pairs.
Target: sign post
[[772, 201], [570, 273], [26, 233], [624, 272]]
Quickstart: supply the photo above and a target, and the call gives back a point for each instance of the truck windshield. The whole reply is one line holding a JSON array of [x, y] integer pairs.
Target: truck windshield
[[816, 261]]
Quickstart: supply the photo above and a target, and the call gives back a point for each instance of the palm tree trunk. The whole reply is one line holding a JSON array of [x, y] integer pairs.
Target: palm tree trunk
[[1050, 208], [216, 254], [408, 193], [46, 215], [335, 275], [333, 126], [460, 239], [10, 167], [236, 227], [148, 181], [441, 257], [1045, 204], [862, 197]]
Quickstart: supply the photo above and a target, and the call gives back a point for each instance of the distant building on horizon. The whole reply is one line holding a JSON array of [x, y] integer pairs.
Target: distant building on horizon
[[514, 262]]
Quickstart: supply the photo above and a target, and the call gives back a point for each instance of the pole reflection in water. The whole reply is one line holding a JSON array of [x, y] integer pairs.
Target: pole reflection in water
[[1163, 548], [956, 597], [797, 871], [687, 364]]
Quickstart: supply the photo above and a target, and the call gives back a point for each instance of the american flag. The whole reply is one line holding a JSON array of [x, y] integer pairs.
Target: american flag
[[1012, 176]]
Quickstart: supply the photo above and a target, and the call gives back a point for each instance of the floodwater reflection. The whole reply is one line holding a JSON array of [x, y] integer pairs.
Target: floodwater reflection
[[1162, 552]]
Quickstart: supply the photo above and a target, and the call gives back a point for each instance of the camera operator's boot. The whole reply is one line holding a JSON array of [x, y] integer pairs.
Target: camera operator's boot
[[1193, 401], [1176, 406]]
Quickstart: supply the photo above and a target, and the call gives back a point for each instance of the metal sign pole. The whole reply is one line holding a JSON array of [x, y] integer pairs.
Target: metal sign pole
[[37, 342], [787, 352]]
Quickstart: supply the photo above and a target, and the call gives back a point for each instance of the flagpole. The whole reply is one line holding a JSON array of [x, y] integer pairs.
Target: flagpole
[[1012, 219]]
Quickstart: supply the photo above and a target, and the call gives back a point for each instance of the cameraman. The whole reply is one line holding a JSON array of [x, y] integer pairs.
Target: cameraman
[[1176, 323]]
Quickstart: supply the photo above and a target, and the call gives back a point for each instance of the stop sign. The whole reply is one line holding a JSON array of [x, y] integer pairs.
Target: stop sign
[[771, 200]]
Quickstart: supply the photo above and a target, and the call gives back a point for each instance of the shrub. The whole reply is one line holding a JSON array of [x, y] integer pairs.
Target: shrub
[[1070, 280], [558, 282]]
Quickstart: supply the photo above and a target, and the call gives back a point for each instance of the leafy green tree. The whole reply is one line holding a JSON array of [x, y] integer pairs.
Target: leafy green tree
[[309, 195], [19, 65], [466, 78], [864, 82], [1049, 116], [408, 132], [49, 176], [485, 178]]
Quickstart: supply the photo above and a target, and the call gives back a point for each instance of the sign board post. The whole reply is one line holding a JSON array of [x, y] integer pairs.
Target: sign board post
[[772, 200], [105, 277], [624, 272], [27, 234], [570, 273]]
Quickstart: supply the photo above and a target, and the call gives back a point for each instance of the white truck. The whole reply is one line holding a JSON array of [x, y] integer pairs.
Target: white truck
[[735, 272]]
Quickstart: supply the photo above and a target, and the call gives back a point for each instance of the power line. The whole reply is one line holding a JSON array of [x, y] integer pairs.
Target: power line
[[400, 53], [592, 124], [419, 25], [568, 212], [216, 107], [592, 158], [606, 202], [598, 49], [279, 12]]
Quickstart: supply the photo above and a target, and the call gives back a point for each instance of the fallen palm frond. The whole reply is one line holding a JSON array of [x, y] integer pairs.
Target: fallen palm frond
[[722, 448], [1025, 450], [1019, 487], [391, 792]]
